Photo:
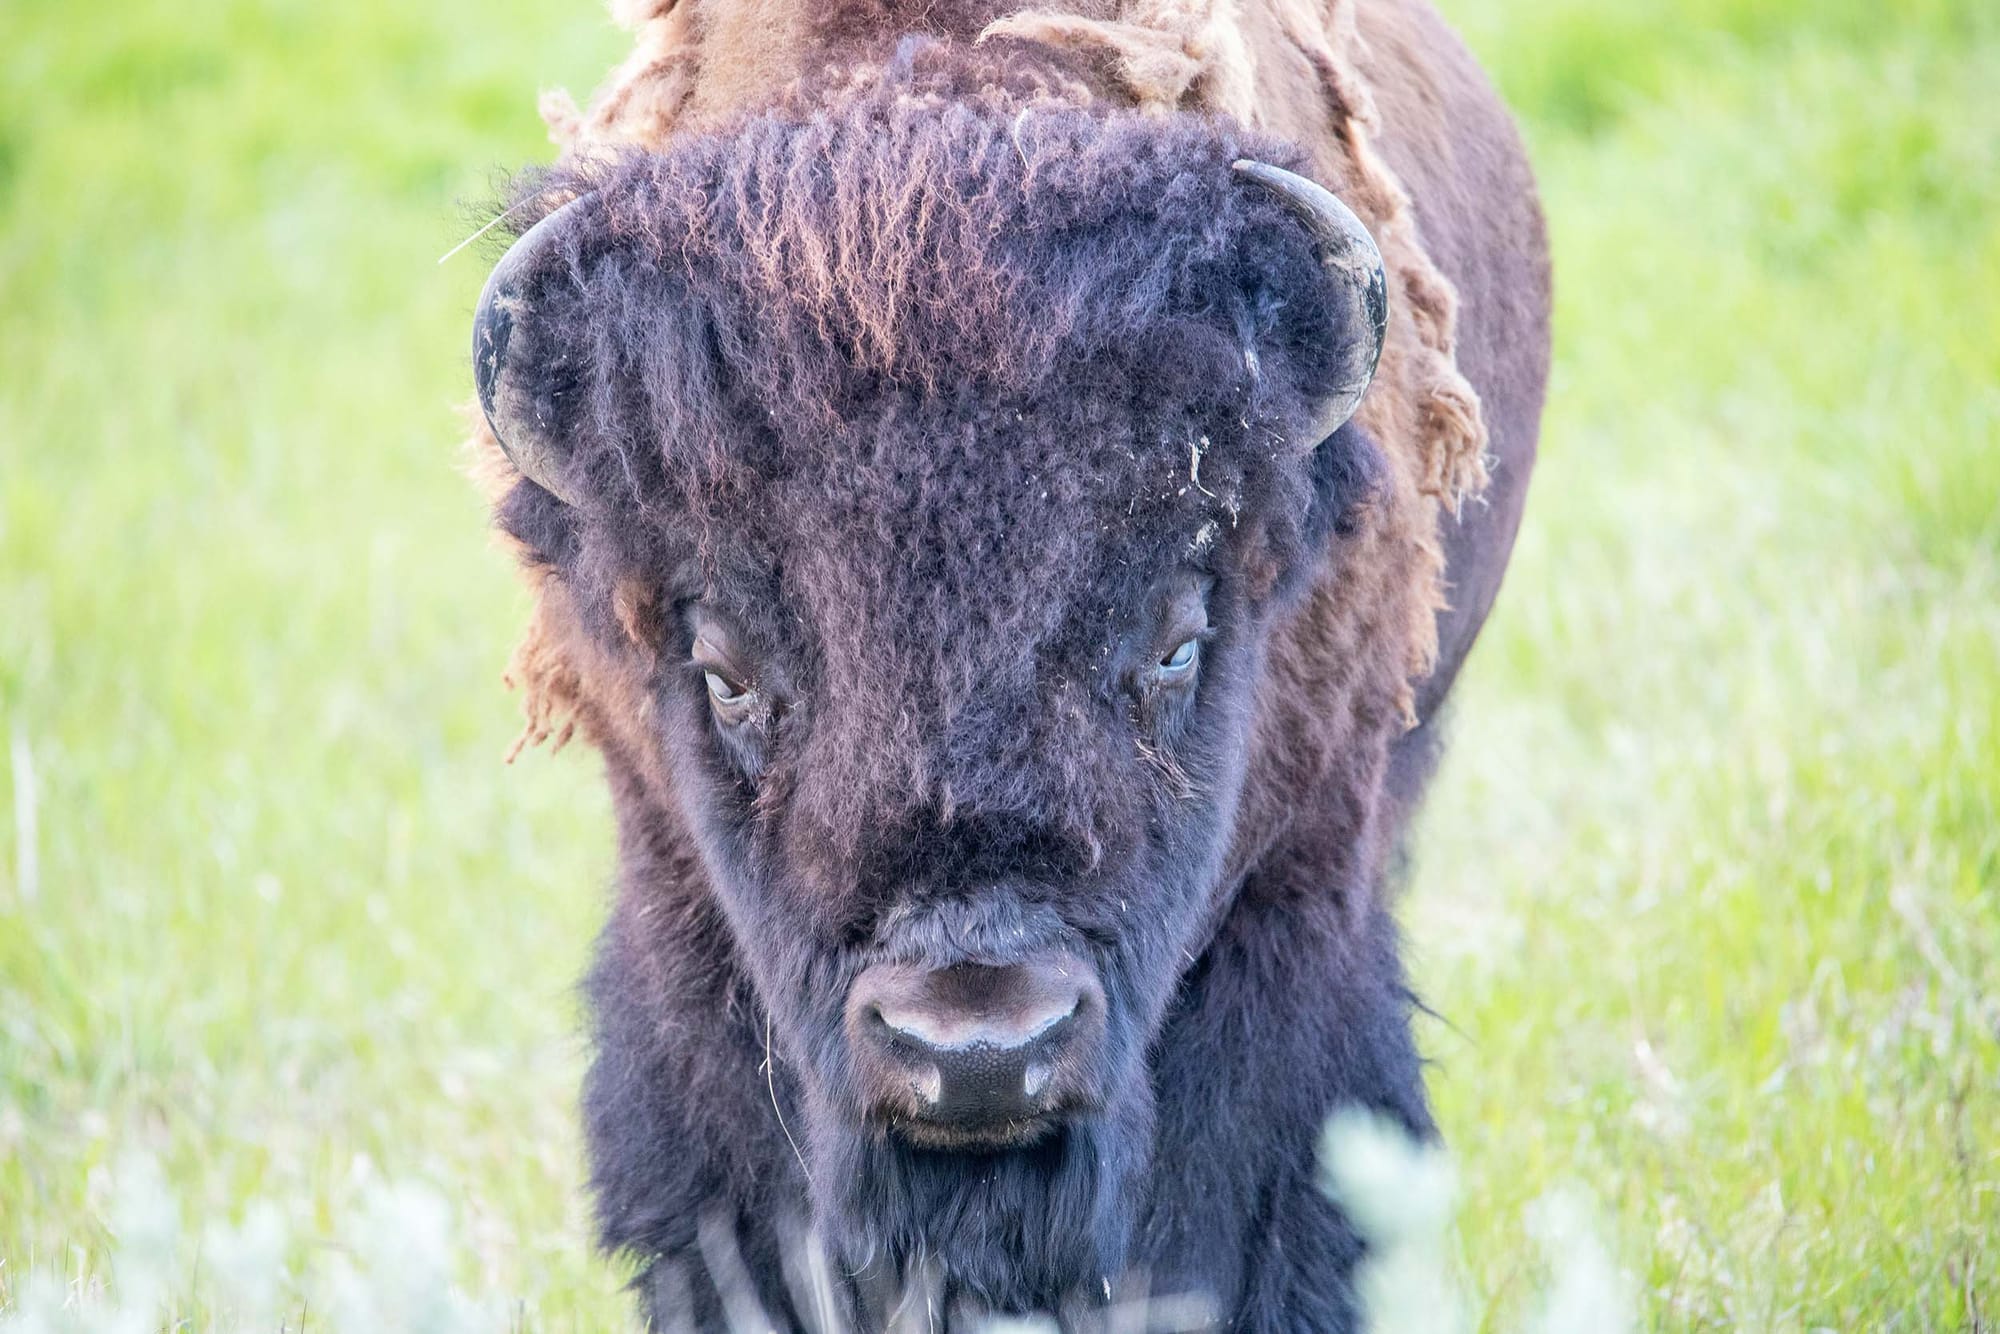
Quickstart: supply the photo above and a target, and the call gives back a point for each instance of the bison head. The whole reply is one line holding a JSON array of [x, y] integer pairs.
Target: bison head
[[936, 474]]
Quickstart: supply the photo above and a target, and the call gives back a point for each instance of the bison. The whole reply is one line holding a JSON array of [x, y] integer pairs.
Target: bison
[[937, 439]]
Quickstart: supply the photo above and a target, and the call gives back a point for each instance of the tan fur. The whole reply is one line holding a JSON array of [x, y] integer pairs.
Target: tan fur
[[1293, 67]]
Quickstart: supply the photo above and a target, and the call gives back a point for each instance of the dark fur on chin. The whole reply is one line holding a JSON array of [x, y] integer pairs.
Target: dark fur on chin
[[1048, 1221]]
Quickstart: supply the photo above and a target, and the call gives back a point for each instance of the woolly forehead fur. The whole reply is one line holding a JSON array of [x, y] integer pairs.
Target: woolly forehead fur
[[917, 350]]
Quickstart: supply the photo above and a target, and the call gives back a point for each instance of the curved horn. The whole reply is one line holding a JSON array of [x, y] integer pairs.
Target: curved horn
[[1348, 254], [508, 365]]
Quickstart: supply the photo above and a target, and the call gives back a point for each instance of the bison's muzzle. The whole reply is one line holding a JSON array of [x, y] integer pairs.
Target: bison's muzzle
[[977, 1055]]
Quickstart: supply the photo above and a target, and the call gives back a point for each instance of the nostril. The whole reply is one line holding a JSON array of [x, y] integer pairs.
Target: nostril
[[927, 1085], [1036, 1083]]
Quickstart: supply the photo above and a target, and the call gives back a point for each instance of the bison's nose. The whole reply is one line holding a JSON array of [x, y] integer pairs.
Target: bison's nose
[[975, 1049]]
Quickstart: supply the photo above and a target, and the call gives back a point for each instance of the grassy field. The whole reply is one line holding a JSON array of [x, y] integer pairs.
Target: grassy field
[[1706, 896]]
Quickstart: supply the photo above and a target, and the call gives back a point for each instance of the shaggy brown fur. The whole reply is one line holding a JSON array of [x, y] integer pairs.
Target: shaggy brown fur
[[933, 394], [918, 360]]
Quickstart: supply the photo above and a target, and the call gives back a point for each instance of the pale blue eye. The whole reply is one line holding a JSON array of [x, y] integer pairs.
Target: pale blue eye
[[1181, 660]]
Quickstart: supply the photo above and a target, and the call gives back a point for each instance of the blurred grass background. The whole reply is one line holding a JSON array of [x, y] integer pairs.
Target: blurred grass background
[[1705, 896]]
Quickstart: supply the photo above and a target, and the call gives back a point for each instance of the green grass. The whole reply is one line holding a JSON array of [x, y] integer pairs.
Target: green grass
[[1707, 889], [1705, 893]]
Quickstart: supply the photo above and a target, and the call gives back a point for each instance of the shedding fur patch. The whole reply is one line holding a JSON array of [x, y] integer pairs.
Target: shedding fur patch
[[1168, 55], [695, 66]]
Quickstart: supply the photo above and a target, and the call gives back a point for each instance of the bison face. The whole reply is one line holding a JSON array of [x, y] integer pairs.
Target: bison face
[[967, 810], [940, 479]]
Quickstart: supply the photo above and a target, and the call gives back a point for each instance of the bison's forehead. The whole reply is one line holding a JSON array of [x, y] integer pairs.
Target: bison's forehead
[[956, 304]]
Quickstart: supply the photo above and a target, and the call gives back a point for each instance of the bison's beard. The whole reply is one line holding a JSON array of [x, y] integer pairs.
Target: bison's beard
[[1041, 1227]]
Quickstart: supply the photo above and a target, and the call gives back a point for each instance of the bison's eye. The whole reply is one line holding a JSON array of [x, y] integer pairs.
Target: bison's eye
[[726, 693], [1174, 670], [729, 693], [1173, 645], [745, 698]]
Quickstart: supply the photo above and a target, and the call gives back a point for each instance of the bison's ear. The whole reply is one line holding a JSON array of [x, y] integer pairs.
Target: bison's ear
[[527, 381], [1349, 475], [1355, 286]]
